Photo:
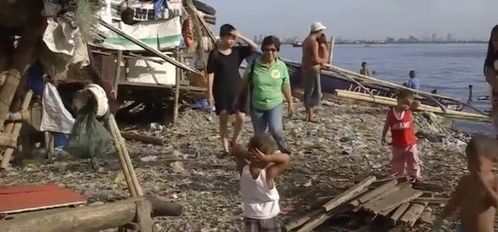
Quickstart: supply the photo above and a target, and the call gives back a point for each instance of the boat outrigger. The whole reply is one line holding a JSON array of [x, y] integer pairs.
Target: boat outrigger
[[335, 78]]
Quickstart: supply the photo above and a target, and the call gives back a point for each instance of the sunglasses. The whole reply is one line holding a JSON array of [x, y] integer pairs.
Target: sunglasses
[[269, 49]]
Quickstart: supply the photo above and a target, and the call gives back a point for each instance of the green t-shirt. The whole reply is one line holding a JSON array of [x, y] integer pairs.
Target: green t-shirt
[[267, 83]]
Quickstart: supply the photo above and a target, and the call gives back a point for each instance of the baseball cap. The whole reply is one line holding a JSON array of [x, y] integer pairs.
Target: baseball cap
[[317, 26]]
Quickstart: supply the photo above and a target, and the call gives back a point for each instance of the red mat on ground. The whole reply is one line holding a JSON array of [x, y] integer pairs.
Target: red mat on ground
[[15, 199]]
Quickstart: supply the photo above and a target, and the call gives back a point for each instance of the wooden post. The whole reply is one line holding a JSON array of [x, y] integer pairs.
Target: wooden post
[[7, 93], [177, 88], [115, 83], [15, 129], [331, 49]]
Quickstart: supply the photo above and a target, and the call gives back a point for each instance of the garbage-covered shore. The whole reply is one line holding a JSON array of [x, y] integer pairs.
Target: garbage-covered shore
[[190, 169]]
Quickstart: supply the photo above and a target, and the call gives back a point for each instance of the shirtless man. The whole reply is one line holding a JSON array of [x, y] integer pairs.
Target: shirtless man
[[476, 194], [311, 63]]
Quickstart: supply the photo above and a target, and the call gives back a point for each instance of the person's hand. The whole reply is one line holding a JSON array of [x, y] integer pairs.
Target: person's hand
[[290, 109], [236, 34], [383, 141], [260, 156], [210, 99]]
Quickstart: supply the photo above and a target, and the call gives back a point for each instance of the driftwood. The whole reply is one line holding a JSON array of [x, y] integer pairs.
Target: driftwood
[[349, 194], [392, 102], [142, 138], [300, 221], [412, 215], [394, 199], [399, 211], [91, 218], [320, 218], [368, 196]]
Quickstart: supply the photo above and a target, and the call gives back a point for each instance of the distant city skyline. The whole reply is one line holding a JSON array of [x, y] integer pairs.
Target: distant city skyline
[[361, 19]]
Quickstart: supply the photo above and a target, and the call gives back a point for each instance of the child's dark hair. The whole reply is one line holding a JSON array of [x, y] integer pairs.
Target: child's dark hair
[[263, 143], [226, 30], [491, 56], [479, 145], [404, 93], [269, 40]]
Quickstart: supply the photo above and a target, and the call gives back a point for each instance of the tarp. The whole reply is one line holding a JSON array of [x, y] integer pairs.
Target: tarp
[[159, 34], [55, 116], [15, 199]]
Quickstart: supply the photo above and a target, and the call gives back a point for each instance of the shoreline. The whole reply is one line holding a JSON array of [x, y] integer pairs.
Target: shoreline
[[327, 158]]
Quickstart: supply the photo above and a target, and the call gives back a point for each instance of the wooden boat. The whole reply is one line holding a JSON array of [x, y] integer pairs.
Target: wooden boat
[[335, 78]]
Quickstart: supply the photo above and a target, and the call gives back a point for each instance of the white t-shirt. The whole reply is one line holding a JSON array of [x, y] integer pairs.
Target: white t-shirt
[[260, 202]]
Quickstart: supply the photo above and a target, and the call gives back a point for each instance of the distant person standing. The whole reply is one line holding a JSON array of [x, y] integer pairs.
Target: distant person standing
[[491, 73], [311, 64], [364, 69], [413, 81], [223, 79]]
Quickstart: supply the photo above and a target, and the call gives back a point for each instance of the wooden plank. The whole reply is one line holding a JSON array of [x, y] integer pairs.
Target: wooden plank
[[117, 73], [323, 217], [386, 193], [300, 221], [399, 211], [349, 194], [412, 215], [376, 192], [423, 200], [394, 199], [142, 138]]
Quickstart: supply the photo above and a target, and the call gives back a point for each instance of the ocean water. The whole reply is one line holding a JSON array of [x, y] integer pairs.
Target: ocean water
[[449, 68]]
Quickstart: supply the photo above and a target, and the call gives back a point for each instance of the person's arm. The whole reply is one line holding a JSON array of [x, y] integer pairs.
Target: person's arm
[[367, 73], [415, 105], [452, 205], [491, 77], [286, 90], [325, 49], [316, 53], [210, 73], [280, 163], [490, 190], [251, 43], [240, 154], [384, 132]]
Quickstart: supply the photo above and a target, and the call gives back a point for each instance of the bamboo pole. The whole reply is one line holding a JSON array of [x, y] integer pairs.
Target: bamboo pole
[[148, 48], [392, 102], [331, 49], [177, 89], [122, 160], [15, 129], [7, 93]]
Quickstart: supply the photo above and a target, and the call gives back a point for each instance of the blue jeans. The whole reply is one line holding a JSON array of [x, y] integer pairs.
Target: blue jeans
[[270, 120]]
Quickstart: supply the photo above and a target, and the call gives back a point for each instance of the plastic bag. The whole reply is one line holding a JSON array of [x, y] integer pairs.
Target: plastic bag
[[89, 138]]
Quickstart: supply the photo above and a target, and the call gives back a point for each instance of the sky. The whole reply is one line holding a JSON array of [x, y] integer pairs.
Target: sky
[[360, 19]]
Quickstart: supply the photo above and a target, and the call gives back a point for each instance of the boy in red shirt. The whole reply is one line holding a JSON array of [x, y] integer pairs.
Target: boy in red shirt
[[404, 159]]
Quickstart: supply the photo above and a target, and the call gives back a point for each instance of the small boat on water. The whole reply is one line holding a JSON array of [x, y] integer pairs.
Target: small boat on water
[[297, 44], [335, 78]]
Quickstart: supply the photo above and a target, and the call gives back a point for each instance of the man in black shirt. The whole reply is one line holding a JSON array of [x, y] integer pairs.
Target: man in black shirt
[[224, 76]]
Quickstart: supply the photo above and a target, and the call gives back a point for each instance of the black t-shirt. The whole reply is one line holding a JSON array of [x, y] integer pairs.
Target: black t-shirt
[[226, 72]]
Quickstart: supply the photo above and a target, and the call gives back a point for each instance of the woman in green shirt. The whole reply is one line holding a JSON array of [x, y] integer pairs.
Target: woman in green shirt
[[268, 81]]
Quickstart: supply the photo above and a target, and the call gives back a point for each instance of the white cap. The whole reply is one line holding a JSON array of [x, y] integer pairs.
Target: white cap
[[317, 26]]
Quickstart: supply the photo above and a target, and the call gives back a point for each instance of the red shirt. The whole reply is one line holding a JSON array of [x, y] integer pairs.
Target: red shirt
[[402, 131]]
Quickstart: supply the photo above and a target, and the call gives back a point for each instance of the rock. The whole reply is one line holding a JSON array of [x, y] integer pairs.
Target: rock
[[148, 158], [178, 167]]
